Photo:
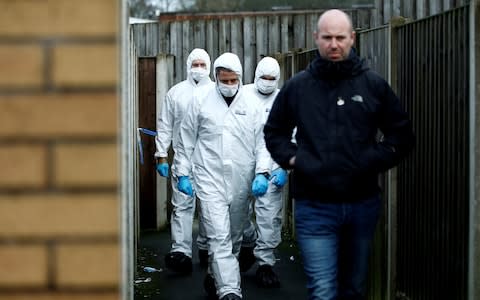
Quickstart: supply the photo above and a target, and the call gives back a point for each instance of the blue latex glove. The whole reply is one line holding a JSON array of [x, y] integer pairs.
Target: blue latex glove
[[162, 169], [184, 185], [259, 185], [279, 177]]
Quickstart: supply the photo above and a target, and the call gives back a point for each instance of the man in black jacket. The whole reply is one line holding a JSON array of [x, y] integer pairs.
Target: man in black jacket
[[338, 105]]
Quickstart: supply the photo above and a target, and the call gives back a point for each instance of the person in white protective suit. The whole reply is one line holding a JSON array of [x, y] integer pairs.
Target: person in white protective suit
[[221, 143], [173, 109], [268, 208]]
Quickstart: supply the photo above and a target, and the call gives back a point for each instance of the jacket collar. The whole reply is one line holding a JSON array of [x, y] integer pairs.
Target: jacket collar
[[327, 69]]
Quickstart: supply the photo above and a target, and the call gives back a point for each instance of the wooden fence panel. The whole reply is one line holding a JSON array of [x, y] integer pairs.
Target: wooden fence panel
[[273, 32]]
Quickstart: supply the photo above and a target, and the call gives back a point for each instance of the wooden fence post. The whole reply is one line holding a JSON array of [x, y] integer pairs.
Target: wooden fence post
[[164, 71]]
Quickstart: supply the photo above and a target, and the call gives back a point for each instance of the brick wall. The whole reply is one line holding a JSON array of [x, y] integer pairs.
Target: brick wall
[[59, 205]]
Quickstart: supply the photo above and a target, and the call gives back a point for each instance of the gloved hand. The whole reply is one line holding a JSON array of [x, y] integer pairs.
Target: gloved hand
[[162, 169], [184, 185], [259, 185], [279, 177]]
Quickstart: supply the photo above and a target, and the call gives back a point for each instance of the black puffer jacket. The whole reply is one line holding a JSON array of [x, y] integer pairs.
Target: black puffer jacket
[[338, 108]]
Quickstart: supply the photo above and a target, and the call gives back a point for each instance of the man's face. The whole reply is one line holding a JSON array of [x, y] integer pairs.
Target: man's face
[[198, 63], [334, 38], [227, 77]]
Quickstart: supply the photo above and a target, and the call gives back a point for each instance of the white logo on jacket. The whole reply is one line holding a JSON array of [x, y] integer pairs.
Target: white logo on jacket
[[357, 98]]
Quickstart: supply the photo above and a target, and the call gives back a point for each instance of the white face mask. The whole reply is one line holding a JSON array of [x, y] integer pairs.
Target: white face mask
[[227, 90], [198, 73], [266, 86]]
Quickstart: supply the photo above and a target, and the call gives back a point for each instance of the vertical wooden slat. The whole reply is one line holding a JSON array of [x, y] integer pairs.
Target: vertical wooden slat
[[139, 38], [434, 7], [261, 37], [249, 64], [299, 30], [187, 47], [364, 19], [151, 34], [285, 33], [378, 15], [446, 5], [387, 11], [236, 33], [224, 43], [175, 47], [396, 8], [212, 39], [199, 40], [164, 37], [311, 24], [273, 34], [420, 9], [407, 9]]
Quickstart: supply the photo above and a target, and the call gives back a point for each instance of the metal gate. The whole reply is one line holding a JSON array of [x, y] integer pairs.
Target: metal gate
[[433, 200], [428, 64]]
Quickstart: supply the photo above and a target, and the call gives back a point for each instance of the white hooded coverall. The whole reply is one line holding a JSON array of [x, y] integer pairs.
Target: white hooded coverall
[[268, 208], [173, 109], [224, 147]]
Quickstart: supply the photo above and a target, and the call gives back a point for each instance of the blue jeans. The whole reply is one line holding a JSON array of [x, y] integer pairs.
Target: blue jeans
[[334, 240]]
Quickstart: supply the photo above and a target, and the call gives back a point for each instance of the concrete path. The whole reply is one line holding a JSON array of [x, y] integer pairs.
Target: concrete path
[[166, 285]]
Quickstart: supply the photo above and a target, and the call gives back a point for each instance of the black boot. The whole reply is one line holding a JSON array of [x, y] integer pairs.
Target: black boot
[[265, 277], [209, 286], [231, 296], [178, 262], [203, 256], [246, 258]]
